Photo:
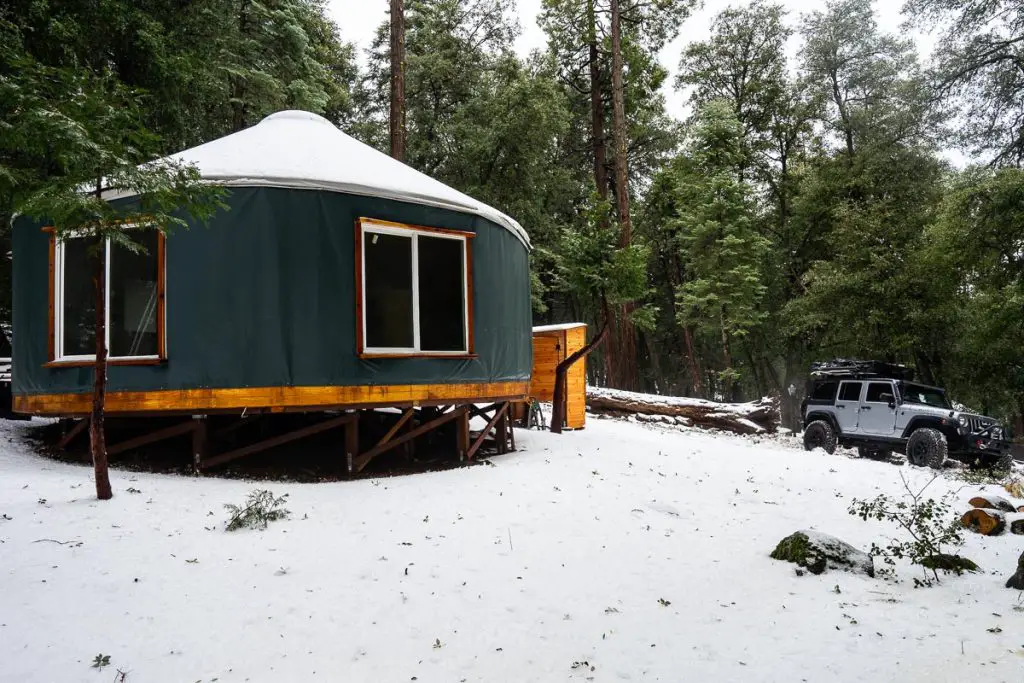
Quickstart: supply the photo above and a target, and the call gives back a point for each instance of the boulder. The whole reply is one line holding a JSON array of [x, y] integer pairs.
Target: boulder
[[949, 563], [1017, 580], [820, 552]]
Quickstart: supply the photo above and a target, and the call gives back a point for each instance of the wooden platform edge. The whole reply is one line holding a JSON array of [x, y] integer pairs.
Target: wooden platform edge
[[271, 399]]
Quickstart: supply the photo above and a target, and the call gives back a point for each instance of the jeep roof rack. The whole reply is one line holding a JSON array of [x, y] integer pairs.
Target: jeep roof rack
[[860, 369]]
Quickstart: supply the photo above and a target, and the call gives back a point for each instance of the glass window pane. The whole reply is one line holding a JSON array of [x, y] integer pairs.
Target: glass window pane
[[850, 391], [442, 282], [78, 313], [133, 297], [826, 391], [388, 291], [875, 391]]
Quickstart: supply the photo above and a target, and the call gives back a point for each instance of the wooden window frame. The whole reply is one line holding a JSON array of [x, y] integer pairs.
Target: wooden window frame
[[56, 309], [373, 225]]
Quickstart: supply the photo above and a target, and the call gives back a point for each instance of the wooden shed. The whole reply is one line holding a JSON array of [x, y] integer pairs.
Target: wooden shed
[[551, 345]]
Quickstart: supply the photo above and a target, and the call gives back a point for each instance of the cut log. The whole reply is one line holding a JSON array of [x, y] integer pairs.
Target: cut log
[[984, 521], [756, 417], [990, 502], [1017, 527]]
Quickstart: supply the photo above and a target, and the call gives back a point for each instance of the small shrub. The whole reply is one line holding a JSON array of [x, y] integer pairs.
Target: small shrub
[[931, 524], [261, 508], [100, 661]]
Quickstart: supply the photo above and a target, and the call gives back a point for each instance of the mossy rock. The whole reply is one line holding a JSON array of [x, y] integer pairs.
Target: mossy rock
[[949, 563], [819, 552]]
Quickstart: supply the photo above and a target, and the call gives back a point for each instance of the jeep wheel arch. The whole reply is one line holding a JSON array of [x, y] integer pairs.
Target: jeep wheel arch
[[823, 416]]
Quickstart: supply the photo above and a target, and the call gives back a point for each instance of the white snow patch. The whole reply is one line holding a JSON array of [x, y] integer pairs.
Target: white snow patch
[[639, 549]]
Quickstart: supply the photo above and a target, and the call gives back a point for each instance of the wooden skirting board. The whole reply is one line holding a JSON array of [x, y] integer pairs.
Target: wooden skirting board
[[271, 399]]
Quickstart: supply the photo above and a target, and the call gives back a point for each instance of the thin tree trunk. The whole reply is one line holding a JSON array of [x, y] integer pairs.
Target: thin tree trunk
[[609, 355], [97, 439], [619, 132], [627, 361], [727, 388], [596, 108], [558, 400], [238, 105], [398, 79], [691, 355]]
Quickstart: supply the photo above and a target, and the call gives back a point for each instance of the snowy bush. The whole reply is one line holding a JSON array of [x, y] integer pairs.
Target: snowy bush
[[260, 508], [933, 527]]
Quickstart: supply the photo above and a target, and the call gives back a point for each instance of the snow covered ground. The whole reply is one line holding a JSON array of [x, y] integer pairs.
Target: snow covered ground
[[623, 552]]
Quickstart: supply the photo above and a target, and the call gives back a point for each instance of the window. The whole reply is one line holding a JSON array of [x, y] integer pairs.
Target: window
[[134, 299], [826, 391], [415, 290], [850, 391], [875, 391], [926, 396]]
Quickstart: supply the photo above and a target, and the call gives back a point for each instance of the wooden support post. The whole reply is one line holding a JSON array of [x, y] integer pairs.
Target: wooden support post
[[200, 442], [278, 440], [462, 435], [369, 455], [351, 442], [395, 427], [73, 432], [512, 434], [152, 437], [483, 435], [501, 430]]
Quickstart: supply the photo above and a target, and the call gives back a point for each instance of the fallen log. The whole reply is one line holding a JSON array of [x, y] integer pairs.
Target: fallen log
[[1017, 527], [983, 521], [991, 502], [756, 417]]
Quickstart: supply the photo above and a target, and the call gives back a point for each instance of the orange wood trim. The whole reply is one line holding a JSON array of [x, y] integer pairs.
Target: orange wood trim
[[360, 343], [49, 228], [416, 228], [161, 295], [420, 354], [281, 398], [51, 334], [114, 361], [470, 333]]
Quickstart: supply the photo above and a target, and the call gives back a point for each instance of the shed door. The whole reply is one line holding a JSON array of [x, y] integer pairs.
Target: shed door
[[547, 354]]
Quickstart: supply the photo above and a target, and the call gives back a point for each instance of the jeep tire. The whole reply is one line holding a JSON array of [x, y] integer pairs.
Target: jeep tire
[[874, 453], [927, 447], [820, 434]]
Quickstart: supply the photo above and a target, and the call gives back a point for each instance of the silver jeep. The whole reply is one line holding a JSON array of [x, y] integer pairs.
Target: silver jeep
[[879, 409]]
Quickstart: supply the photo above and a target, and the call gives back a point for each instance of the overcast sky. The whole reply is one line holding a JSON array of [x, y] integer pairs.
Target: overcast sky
[[358, 19]]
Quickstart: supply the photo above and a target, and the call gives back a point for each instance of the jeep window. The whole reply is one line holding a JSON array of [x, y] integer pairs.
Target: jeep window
[[875, 391], [926, 396], [850, 391], [826, 391]]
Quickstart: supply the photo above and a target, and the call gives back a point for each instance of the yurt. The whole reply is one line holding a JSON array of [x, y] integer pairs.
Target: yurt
[[338, 279]]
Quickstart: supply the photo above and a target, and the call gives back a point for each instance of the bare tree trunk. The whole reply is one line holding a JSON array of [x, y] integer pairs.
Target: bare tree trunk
[[596, 107], [238, 105], [610, 347], [691, 356], [96, 436], [398, 79], [727, 388], [627, 361]]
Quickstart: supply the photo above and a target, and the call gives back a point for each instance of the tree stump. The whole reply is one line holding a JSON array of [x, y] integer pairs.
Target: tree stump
[[990, 502], [984, 521]]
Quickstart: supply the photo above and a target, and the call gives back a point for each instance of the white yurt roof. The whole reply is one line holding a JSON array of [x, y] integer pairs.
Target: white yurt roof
[[298, 149]]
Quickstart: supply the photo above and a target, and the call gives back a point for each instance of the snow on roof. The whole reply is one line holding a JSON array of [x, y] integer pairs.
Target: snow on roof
[[298, 149], [559, 327]]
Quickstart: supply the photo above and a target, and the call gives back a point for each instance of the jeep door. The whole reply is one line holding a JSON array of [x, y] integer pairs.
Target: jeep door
[[848, 406], [878, 412]]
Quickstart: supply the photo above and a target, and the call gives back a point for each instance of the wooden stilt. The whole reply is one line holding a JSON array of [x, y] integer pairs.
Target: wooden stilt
[[462, 435], [365, 458], [351, 442], [200, 442], [152, 437], [79, 427], [512, 435], [487, 430], [278, 440], [501, 430]]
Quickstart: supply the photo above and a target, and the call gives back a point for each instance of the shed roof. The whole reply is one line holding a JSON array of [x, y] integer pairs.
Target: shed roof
[[298, 149], [558, 328]]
